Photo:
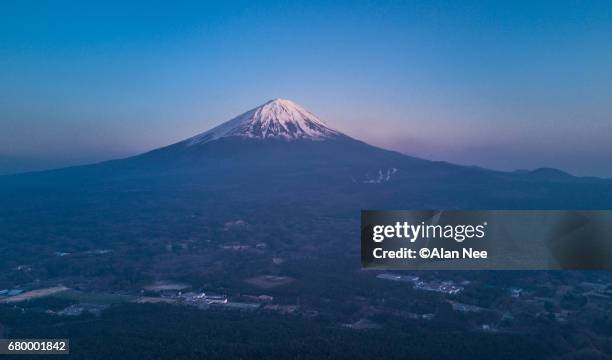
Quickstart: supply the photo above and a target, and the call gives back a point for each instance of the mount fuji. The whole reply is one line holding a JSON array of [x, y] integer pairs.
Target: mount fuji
[[280, 152]]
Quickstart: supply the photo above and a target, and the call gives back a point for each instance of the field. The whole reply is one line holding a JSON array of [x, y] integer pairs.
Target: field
[[35, 294], [269, 281], [95, 298]]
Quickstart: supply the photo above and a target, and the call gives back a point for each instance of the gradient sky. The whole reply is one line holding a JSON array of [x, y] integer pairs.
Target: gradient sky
[[502, 85]]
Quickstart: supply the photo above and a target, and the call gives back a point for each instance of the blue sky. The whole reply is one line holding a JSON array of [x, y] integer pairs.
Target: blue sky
[[504, 85]]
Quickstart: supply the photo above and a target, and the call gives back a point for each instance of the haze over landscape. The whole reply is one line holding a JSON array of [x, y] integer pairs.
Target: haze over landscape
[[503, 86]]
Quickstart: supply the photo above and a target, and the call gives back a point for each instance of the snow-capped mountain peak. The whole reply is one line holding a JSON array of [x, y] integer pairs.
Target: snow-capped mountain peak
[[276, 119]]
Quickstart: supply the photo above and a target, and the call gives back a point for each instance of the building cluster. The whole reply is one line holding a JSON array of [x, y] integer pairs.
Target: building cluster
[[236, 247], [402, 278], [203, 298], [79, 309], [446, 287], [516, 292]]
